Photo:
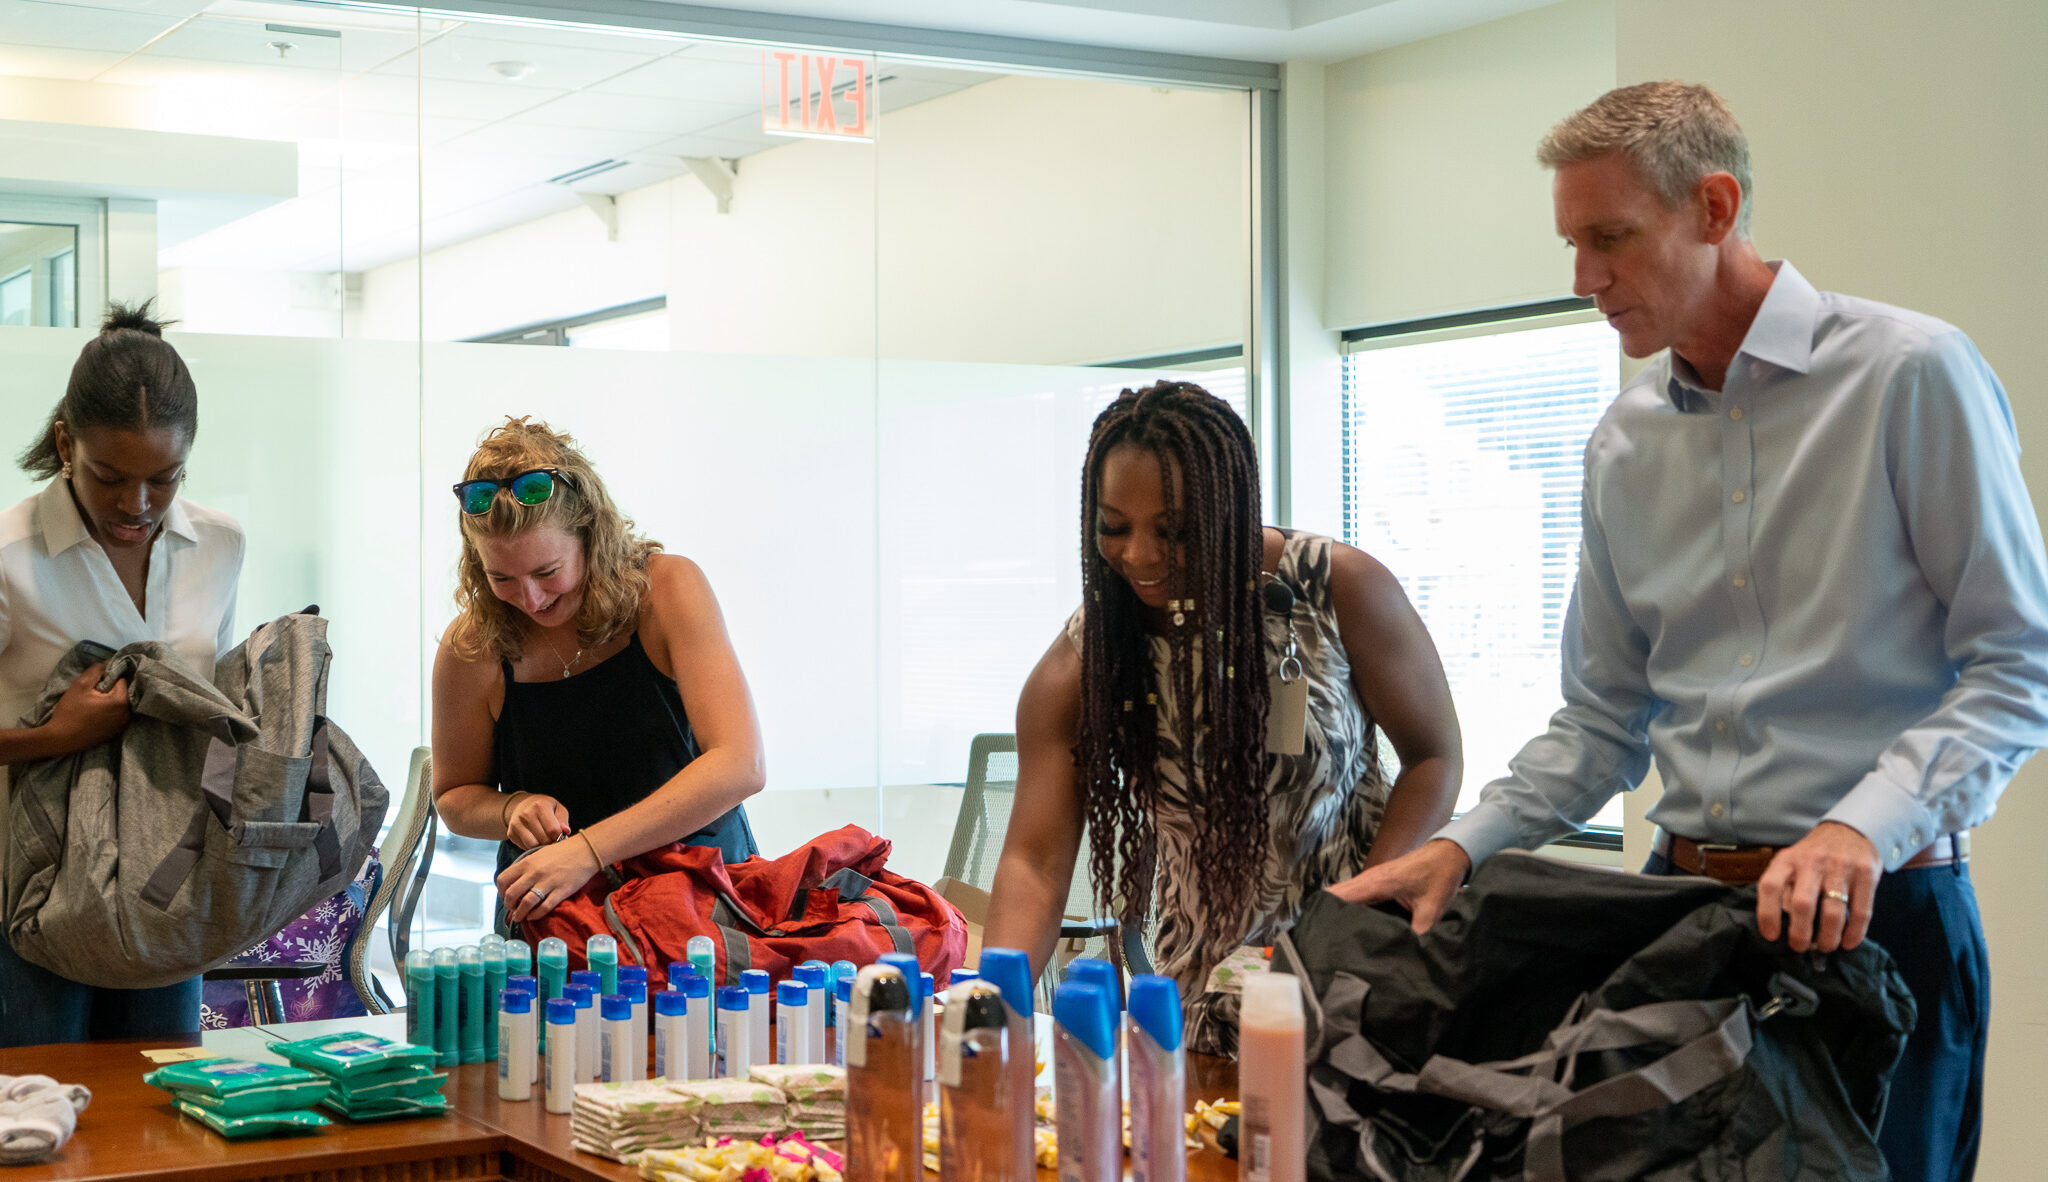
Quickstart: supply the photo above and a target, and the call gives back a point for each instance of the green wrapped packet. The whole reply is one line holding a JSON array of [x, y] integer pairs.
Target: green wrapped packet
[[351, 1054], [388, 1085], [220, 1077], [275, 1098], [261, 1124], [433, 1105]]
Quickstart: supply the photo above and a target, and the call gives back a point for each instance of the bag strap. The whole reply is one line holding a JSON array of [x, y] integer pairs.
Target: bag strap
[[318, 803], [855, 887], [216, 798], [738, 957]]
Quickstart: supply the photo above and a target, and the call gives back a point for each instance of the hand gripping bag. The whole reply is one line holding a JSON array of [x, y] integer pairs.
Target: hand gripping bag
[[226, 810], [832, 898], [1567, 1022]]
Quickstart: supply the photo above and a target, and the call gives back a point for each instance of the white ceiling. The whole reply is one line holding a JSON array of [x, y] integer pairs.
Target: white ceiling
[[366, 106], [1259, 30]]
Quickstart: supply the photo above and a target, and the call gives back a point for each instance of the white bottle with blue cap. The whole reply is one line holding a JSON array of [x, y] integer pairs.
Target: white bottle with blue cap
[[842, 1010], [816, 976], [1157, 1071], [615, 1054], [633, 983], [735, 1033], [671, 1034], [793, 1023], [515, 1045], [760, 1001], [560, 1091], [1009, 970], [589, 1029], [697, 987], [1085, 1084], [828, 1008]]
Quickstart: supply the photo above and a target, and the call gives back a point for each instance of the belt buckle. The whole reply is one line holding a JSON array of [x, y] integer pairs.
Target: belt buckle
[[1706, 851]]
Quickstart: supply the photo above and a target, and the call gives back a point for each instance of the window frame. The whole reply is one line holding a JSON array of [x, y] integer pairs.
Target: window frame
[[1497, 321]]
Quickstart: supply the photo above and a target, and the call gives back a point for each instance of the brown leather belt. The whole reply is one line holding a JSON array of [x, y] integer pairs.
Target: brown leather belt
[[1740, 865]]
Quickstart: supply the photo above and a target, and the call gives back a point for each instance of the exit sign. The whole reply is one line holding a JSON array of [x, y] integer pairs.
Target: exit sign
[[821, 96]]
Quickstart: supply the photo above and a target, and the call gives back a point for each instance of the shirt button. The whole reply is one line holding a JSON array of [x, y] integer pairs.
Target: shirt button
[[1741, 581], [1895, 853], [1717, 810], [1720, 726], [1748, 659], [1739, 497], [1736, 414]]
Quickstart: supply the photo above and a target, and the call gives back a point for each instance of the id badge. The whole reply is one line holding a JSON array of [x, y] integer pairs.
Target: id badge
[[1287, 718]]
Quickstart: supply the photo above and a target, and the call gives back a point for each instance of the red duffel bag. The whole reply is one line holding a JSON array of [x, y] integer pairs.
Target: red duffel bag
[[830, 899]]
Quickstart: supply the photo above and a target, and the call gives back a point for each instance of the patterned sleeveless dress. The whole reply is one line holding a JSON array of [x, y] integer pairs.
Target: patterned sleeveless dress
[[1324, 805]]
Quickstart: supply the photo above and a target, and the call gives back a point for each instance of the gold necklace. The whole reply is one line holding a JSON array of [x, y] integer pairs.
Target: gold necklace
[[567, 665]]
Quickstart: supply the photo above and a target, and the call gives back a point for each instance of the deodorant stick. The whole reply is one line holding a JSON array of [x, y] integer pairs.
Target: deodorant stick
[[1085, 1085], [816, 976], [975, 1144], [1010, 972], [735, 1033], [561, 1073], [515, 1045], [615, 1056], [602, 953], [469, 966], [589, 1030], [697, 988], [671, 1034], [760, 1000], [793, 1023]]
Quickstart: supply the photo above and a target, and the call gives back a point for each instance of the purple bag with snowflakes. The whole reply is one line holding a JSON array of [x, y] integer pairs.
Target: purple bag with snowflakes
[[321, 935]]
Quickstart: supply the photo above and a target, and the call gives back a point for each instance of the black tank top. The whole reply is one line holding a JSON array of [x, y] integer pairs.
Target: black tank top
[[602, 741]]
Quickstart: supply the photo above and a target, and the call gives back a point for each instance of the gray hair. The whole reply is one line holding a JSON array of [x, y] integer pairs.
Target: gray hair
[[1675, 133]]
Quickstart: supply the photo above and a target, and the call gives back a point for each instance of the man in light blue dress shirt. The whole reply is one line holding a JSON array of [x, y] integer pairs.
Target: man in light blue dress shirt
[[1811, 587]]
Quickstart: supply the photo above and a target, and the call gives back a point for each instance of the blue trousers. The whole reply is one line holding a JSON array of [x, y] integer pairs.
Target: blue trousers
[[37, 1006], [1927, 919]]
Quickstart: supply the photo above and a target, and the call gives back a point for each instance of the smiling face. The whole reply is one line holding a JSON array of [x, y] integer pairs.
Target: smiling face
[[1648, 267], [539, 571], [1131, 529], [124, 481]]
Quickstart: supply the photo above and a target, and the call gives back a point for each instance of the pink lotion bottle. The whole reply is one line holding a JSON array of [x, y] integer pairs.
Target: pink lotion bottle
[[1272, 1081]]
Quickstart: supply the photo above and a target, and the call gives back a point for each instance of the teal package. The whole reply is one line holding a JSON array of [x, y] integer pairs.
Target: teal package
[[263, 1124], [351, 1054], [276, 1098], [219, 1077]]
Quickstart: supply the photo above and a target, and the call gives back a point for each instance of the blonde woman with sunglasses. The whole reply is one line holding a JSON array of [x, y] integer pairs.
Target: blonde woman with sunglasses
[[587, 702]]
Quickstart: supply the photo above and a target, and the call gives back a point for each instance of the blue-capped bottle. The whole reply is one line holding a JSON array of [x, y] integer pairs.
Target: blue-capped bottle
[[1009, 970], [815, 976], [735, 1033], [1090, 1115], [1156, 1065]]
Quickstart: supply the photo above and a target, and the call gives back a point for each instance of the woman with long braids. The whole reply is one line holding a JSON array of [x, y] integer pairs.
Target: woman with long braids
[[1212, 713]]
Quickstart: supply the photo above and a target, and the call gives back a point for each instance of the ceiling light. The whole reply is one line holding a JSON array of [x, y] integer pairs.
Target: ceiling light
[[513, 71]]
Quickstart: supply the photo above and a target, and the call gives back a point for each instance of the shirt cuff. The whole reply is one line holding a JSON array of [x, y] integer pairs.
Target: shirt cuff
[[1892, 818], [1482, 832]]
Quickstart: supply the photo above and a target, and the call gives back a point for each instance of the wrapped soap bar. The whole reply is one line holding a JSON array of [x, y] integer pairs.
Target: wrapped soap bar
[[261, 1124], [219, 1077], [350, 1054]]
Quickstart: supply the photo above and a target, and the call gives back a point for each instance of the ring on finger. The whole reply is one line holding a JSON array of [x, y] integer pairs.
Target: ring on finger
[[1838, 895], [539, 895]]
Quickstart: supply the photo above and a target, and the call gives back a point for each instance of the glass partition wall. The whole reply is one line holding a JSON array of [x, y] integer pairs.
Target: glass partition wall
[[831, 323]]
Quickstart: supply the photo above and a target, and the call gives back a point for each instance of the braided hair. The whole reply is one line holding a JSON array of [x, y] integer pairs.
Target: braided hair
[[1216, 552]]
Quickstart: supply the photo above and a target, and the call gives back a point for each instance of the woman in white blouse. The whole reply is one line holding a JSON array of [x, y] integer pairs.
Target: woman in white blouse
[[105, 552]]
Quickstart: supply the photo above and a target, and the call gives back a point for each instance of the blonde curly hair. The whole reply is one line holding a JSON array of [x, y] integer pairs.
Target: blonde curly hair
[[615, 558]]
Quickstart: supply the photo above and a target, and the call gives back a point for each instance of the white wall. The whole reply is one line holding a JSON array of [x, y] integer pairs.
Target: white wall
[[1033, 220], [1898, 156], [1436, 204]]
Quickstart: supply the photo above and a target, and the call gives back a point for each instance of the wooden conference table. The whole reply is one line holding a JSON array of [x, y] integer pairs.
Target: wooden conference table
[[132, 1131]]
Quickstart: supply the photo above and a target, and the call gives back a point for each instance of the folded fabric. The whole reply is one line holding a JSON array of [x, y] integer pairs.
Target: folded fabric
[[37, 1116]]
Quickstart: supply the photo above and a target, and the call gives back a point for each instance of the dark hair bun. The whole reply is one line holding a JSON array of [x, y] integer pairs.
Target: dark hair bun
[[120, 316]]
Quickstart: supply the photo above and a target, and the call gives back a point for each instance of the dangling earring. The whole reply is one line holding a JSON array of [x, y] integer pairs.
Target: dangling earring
[[67, 469]]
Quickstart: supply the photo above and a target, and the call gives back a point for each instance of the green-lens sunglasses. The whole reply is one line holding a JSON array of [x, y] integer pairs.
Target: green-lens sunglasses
[[531, 487]]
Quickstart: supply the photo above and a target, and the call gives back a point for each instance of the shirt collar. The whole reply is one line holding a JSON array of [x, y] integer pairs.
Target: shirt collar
[[62, 528], [1781, 334]]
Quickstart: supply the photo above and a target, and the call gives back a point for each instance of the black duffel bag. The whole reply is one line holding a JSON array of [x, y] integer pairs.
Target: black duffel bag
[[1562, 1022]]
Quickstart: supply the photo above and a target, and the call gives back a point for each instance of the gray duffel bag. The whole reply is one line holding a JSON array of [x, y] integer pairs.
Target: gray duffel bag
[[224, 811]]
